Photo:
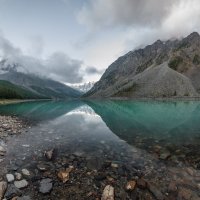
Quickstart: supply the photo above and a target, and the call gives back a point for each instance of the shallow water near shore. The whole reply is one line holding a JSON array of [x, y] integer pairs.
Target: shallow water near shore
[[161, 140]]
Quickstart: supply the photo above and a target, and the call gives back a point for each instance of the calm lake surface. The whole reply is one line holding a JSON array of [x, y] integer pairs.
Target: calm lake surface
[[151, 135], [139, 124]]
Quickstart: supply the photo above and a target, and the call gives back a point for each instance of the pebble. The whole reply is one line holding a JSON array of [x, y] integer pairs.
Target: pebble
[[130, 186], [108, 193], [3, 188], [2, 151], [43, 167], [18, 176], [25, 172], [46, 186], [155, 191], [165, 155], [21, 184], [141, 183], [63, 175], [114, 165], [10, 178], [49, 154]]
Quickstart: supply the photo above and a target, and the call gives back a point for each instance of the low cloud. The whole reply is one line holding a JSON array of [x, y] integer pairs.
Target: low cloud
[[93, 70], [57, 66]]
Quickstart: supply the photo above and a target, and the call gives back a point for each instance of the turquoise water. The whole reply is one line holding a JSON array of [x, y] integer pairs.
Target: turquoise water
[[110, 127], [158, 141]]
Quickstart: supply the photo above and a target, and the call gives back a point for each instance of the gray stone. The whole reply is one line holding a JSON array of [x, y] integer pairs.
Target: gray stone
[[46, 186], [12, 191], [25, 172], [10, 178], [21, 184]]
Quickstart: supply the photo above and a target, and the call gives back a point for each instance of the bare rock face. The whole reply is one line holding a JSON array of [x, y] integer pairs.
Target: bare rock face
[[108, 193], [163, 69]]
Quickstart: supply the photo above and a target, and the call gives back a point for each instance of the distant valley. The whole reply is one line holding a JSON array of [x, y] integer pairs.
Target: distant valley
[[83, 87], [31, 86]]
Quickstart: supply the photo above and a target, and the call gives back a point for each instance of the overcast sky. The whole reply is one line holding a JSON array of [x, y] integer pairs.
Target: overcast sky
[[74, 41]]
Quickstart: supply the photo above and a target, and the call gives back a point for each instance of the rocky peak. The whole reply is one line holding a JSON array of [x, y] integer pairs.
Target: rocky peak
[[193, 35], [193, 38]]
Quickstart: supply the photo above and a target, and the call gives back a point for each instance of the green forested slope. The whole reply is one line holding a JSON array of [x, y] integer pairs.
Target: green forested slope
[[11, 91]]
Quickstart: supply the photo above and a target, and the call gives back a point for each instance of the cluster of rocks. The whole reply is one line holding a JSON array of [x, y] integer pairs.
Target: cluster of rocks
[[11, 126], [71, 176]]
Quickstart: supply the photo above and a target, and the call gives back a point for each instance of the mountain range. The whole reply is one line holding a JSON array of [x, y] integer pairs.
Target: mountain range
[[83, 87], [164, 69], [39, 87]]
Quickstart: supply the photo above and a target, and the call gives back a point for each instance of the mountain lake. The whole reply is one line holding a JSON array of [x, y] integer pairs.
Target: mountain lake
[[154, 146]]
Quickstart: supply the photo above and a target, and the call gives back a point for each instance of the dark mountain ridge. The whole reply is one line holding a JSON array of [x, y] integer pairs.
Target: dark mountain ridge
[[163, 69]]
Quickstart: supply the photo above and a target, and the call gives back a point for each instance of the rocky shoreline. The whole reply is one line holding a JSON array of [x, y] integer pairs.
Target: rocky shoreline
[[72, 176], [11, 125], [55, 174]]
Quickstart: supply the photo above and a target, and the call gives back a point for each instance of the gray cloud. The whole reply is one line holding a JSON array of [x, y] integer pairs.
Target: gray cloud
[[101, 13], [57, 66], [93, 70]]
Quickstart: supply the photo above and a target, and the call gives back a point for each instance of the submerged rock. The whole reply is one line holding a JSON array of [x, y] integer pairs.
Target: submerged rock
[[165, 155], [46, 186], [114, 165], [3, 188], [94, 164], [155, 191], [108, 193], [141, 183], [49, 154], [43, 167], [12, 191]]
